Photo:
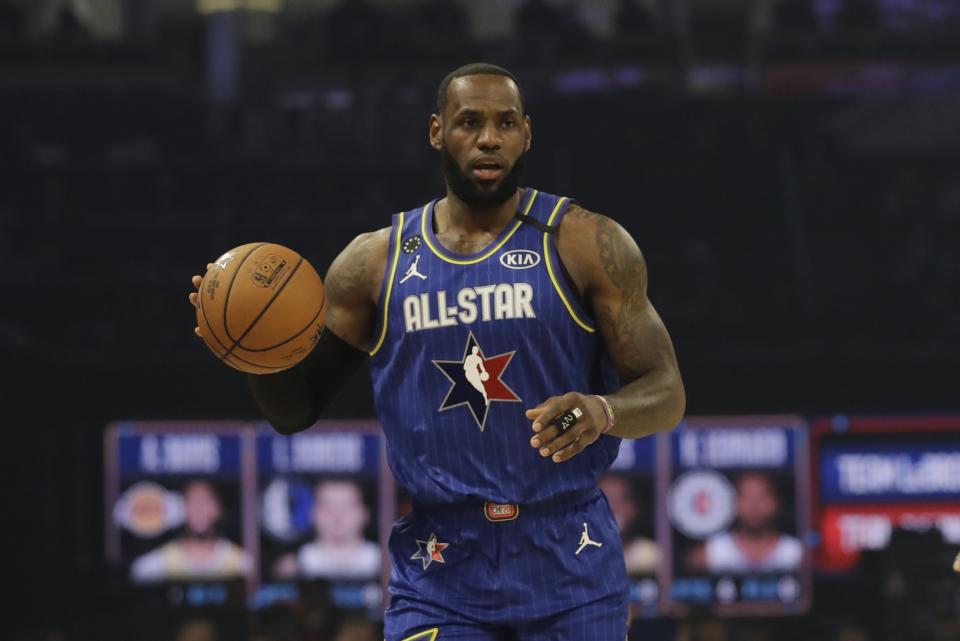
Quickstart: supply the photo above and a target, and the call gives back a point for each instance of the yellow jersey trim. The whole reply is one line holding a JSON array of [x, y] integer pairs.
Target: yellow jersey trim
[[553, 277], [386, 299], [426, 635], [487, 254]]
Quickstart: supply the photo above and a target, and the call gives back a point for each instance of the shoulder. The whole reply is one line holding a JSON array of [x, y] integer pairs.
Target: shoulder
[[790, 547], [356, 271], [597, 250], [230, 548], [149, 566], [368, 245], [720, 541]]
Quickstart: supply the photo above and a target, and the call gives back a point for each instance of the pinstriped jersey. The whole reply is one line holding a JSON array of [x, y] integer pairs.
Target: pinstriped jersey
[[464, 344]]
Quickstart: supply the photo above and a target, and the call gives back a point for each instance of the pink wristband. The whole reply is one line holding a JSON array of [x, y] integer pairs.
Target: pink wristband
[[608, 411]]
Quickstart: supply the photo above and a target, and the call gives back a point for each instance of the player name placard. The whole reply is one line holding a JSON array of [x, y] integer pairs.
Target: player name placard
[[318, 452]]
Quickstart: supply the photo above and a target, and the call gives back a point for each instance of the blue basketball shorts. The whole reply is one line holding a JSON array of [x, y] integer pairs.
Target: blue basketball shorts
[[487, 572]]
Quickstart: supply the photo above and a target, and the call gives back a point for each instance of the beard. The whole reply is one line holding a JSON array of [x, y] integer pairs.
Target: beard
[[473, 193], [756, 528]]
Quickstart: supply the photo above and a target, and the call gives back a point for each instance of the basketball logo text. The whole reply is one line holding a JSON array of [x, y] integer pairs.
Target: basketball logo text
[[268, 270], [489, 302]]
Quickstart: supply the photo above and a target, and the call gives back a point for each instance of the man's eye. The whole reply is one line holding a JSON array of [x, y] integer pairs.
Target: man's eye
[[469, 122], [509, 123]]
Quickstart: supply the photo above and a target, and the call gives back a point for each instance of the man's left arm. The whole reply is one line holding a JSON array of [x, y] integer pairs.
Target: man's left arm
[[611, 274]]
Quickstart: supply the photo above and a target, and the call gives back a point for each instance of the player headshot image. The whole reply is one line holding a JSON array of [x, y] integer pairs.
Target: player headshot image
[[511, 346], [339, 550], [640, 552], [200, 553], [754, 543]]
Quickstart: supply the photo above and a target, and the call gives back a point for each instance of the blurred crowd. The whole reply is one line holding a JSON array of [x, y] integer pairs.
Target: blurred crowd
[[775, 240], [801, 248], [359, 31]]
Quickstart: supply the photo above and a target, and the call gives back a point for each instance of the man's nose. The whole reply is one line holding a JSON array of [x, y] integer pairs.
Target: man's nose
[[490, 138]]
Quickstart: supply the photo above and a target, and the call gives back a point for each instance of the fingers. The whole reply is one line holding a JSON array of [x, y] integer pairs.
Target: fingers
[[192, 296], [548, 438], [559, 448], [550, 409], [547, 410], [196, 280], [580, 442], [548, 434]]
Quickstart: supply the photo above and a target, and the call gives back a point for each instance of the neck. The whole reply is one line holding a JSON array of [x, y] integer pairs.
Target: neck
[[451, 213]]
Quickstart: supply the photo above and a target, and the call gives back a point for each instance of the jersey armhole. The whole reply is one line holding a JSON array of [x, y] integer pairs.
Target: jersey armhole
[[386, 286], [560, 276], [571, 286]]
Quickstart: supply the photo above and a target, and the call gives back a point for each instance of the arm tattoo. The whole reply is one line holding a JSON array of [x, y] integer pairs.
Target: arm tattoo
[[625, 268], [583, 214], [345, 280]]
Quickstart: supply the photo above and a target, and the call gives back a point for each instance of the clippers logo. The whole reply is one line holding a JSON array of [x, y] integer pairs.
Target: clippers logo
[[701, 503], [268, 270], [520, 259]]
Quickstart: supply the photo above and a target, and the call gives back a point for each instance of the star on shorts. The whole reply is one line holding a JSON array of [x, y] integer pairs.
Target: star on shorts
[[429, 551]]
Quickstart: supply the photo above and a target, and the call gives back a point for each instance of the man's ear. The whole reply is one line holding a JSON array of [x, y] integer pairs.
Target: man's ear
[[435, 130], [528, 131]]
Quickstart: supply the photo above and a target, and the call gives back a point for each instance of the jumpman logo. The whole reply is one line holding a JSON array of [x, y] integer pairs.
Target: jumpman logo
[[585, 540], [475, 372], [412, 271]]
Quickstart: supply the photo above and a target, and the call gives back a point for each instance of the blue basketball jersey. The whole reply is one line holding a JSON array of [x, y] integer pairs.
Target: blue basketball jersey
[[464, 344]]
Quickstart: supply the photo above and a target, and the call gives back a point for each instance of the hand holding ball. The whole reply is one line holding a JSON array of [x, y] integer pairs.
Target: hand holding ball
[[260, 308]]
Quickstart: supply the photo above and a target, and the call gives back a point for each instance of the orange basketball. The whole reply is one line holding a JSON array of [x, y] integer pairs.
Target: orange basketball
[[261, 308]]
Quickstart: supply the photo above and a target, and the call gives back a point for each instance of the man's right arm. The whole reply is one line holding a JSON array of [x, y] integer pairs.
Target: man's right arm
[[293, 399]]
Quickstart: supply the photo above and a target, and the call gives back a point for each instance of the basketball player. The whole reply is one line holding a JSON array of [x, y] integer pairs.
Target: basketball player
[[339, 550], [754, 544], [509, 537], [201, 553]]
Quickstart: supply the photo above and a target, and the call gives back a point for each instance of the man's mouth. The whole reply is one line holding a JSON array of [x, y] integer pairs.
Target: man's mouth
[[487, 170]]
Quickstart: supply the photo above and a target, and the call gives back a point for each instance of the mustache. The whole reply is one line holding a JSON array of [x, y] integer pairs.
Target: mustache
[[473, 193]]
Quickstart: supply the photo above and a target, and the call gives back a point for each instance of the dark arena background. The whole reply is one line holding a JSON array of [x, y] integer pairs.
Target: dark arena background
[[790, 169]]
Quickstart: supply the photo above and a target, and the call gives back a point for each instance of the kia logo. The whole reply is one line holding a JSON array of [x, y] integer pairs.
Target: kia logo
[[520, 259]]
